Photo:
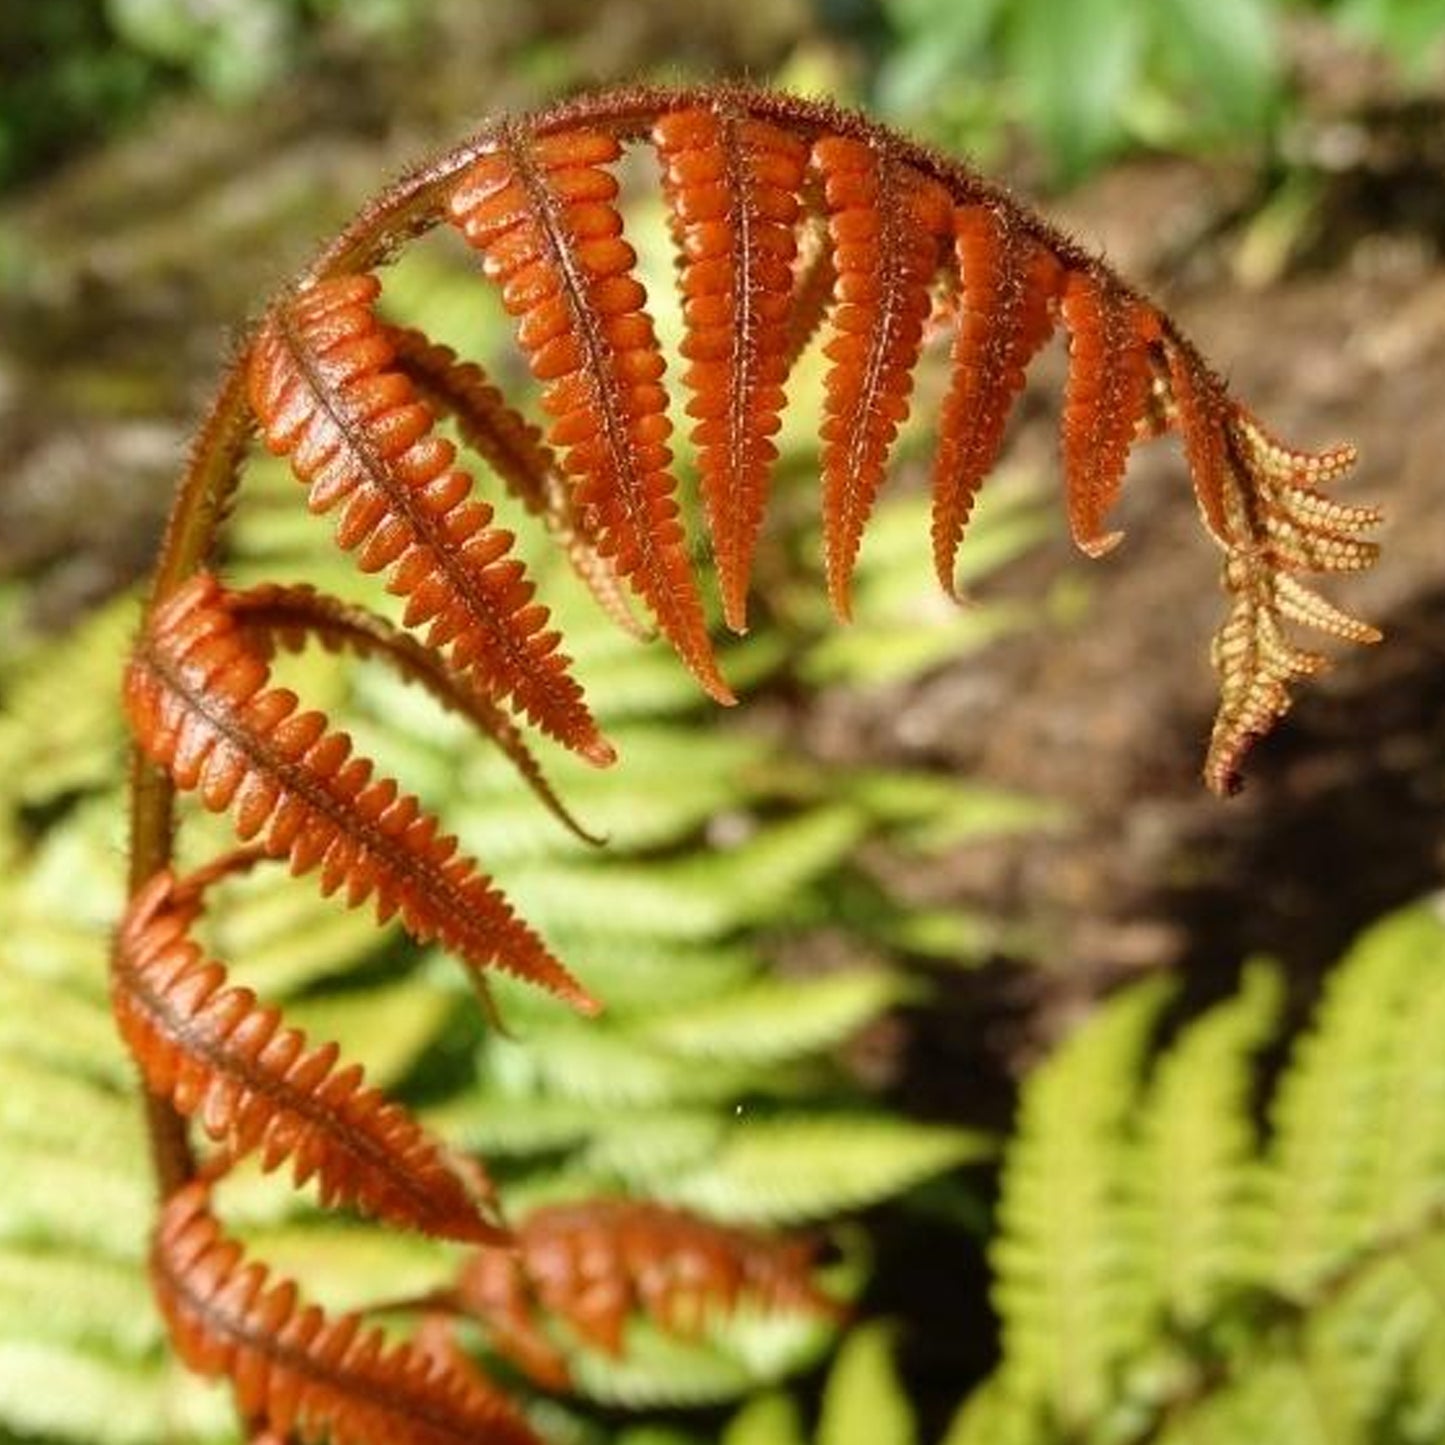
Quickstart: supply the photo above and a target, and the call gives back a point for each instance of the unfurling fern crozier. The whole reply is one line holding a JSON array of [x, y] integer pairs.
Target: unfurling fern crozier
[[789, 218]]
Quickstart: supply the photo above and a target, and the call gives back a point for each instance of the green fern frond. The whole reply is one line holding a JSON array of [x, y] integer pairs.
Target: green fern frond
[[1360, 1116], [643, 1153], [777, 1019], [695, 897], [67, 1297], [656, 1369], [1195, 1179], [996, 1414], [1070, 1289], [61, 729], [607, 1067], [864, 1402], [77, 1035], [794, 1169], [771, 1419], [61, 1393]]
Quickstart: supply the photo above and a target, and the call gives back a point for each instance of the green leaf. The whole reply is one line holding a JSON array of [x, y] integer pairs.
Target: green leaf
[[864, 1402], [771, 1419], [1067, 1260], [1197, 1183], [696, 897], [1360, 1114], [1076, 65], [793, 1169], [776, 1019], [70, 1297], [61, 1393]]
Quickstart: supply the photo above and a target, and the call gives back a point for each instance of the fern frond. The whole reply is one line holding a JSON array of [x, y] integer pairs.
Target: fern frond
[[1008, 283], [1359, 1118], [323, 384], [788, 1170], [1110, 334], [1196, 1179], [294, 1366], [886, 223], [198, 698], [290, 617], [514, 449], [864, 1401], [732, 184], [776, 1019], [1068, 1285], [257, 1086], [594, 1264], [542, 212]]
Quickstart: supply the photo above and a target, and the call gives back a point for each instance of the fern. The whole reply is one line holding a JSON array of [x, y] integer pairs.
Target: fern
[[785, 1170], [1066, 1260], [1288, 1290]]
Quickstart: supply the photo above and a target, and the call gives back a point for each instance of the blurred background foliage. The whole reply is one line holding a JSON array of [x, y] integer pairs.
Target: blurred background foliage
[[936, 932]]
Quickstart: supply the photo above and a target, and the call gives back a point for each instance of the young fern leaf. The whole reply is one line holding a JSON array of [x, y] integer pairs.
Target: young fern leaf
[[596, 1263], [543, 213], [324, 384], [289, 617], [199, 702], [886, 224], [295, 1368], [1105, 401], [1008, 288], [514, 449], [732, 184], [257, 1086]]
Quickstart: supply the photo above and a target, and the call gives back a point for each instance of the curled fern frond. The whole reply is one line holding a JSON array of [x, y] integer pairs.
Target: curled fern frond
[[595, 1263], [324, 384], [199, 700], [257, 1086], [297, 1369]]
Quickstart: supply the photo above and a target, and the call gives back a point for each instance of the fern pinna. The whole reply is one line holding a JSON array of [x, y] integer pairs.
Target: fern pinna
[[788, 216]]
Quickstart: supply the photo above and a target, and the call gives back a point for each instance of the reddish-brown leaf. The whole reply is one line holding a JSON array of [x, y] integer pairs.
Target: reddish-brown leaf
[[324, 383], [1008, 289], [259, 1087], [732, 185], [295, 1368], [885, 222], [1106, 399], [542, 211], [199, 699], [594, 1263]]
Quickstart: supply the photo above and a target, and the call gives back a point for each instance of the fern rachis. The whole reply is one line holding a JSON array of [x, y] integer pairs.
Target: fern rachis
[[789, 216]]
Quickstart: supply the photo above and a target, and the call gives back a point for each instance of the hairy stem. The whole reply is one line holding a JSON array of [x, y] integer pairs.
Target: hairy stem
[[196, 516]]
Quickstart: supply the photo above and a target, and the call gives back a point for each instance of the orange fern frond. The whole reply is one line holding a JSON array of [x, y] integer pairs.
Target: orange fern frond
[[296, 1369], [199, 702], [732, 184], [542, 211], [514, 449], [886, 223], [258, 1087], [1009, 285], [324, 385], [290, 617], [1106, 399], [595, 1263]]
